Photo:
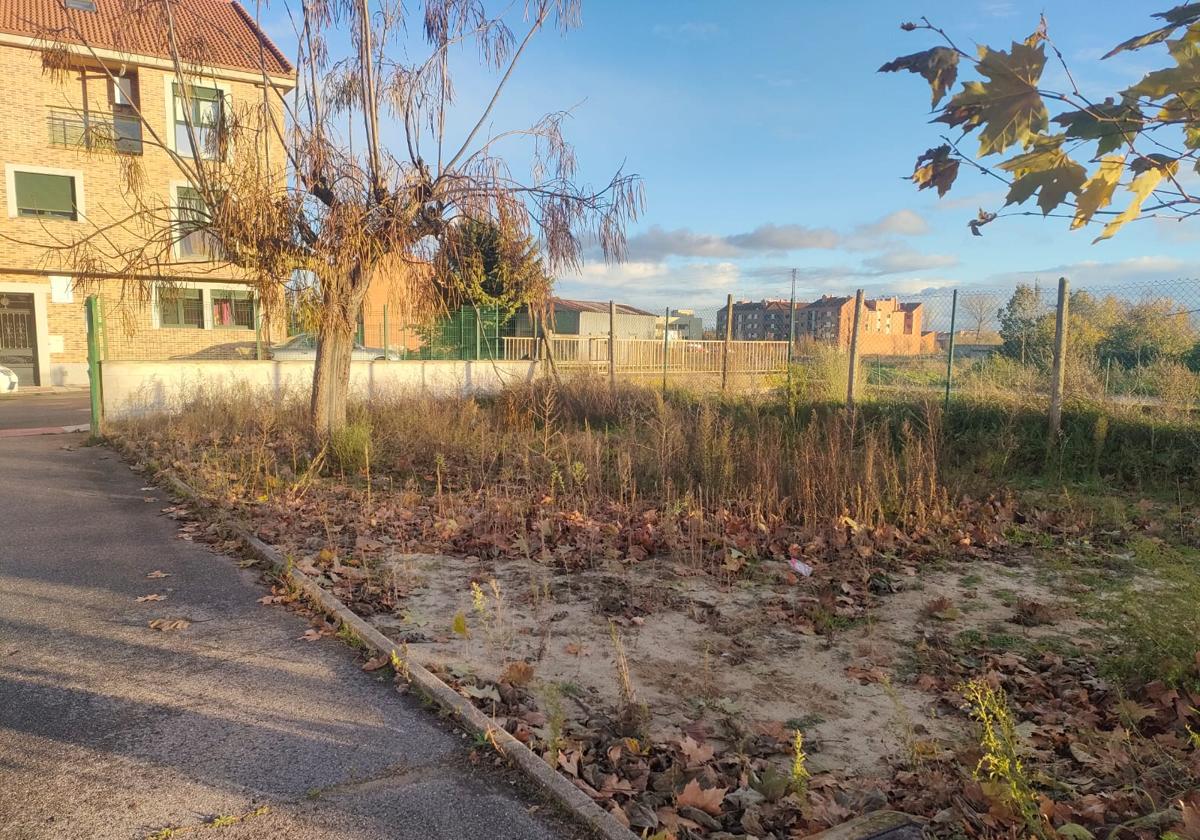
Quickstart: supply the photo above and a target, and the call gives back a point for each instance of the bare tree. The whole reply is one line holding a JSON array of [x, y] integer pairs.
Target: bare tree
[[350, 208], [982, 309]]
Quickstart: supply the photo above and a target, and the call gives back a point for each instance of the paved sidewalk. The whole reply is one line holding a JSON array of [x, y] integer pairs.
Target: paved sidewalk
[[109, 729], [43, 413]]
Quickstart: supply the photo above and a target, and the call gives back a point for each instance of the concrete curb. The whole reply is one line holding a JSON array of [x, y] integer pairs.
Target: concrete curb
[[544, 777]]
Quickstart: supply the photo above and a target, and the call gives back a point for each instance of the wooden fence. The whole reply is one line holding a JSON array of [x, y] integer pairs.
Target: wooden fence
[[650, 356]]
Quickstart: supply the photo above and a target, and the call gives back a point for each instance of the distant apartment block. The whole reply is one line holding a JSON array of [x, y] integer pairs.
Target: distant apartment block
[[889, 327], [686, 325], [763, 320]]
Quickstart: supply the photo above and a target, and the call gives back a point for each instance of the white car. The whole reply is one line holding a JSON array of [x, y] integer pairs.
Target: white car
[[303, 348], [8, 381]]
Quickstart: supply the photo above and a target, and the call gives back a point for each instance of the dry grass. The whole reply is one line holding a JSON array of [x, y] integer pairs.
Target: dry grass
[[704, 466]]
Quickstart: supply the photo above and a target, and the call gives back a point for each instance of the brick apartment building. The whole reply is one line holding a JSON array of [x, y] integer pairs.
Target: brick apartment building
[[763, 320], [889, 327], [63, 178]]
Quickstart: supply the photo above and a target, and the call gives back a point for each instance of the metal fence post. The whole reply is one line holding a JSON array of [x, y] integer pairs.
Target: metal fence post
[[950, 349], [612, 344], [852, 380], [1058, 376], [666, 345], [258, 353], [478, 335], [387, 336], [728, 341], [791, 331], [91, 309]]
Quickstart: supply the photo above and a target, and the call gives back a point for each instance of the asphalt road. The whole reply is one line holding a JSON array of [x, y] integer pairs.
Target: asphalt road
[[41, 410], [110, 729]]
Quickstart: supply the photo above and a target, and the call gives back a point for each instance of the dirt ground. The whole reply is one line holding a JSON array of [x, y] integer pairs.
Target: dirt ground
[[699, 651]]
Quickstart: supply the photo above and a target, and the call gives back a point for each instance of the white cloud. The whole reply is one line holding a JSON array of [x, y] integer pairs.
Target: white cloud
[[1146, 271], [689, 31], [775, 81], [653, 284], [903, 261], [900, 223], [657, 243]]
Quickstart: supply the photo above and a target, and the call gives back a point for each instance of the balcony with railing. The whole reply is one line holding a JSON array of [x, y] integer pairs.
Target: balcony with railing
[[95, 130]]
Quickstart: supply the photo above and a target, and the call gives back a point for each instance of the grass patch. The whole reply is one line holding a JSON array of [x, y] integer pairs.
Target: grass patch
[[1155, 624]]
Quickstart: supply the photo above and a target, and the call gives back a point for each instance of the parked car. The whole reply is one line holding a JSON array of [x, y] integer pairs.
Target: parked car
[[303, 348], [8, 381]]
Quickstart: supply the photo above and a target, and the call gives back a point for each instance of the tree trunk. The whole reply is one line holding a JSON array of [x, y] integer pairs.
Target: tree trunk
[[331, 376]]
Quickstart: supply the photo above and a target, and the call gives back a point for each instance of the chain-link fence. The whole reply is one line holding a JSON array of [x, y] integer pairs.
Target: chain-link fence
[[1130, 345], [1136, 346]]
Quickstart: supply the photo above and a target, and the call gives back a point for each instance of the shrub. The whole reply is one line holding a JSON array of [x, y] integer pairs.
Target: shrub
[[350, 445], [1174, 384]]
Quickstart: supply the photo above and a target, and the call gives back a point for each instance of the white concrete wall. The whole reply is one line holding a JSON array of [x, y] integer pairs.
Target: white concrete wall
[[133, 388]]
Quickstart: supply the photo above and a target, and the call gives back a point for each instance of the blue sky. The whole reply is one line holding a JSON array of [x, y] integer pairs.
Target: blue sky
[[767, 141]]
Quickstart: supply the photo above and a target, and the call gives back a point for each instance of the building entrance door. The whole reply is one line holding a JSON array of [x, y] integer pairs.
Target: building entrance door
[[18, 337]]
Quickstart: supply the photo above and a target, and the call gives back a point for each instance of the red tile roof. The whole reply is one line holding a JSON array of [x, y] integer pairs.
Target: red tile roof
[[215, 33]]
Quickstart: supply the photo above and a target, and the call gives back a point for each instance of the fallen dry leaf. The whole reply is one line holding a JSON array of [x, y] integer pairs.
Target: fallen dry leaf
[[165, 624], [695, 752], [157, 574], [707, 800], [152, 597], [310, 635], [376, 662], [517, 673]]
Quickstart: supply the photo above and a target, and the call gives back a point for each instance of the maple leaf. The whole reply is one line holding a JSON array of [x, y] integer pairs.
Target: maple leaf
[[151, 597], [1111, 124], [936, 168], [1046, 170], [938, 66], [1008, 105], [1097, 193], [1141, 187], [376, 662], [707, 800], [1181, 80], [695, 752], [1183, 15], [157, 574]]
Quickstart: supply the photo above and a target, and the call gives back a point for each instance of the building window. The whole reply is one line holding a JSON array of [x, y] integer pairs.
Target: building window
[[45, 196], [204, 108], [181, 308], [194, 240], [80, 5], [232, 309], [122, 91]]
